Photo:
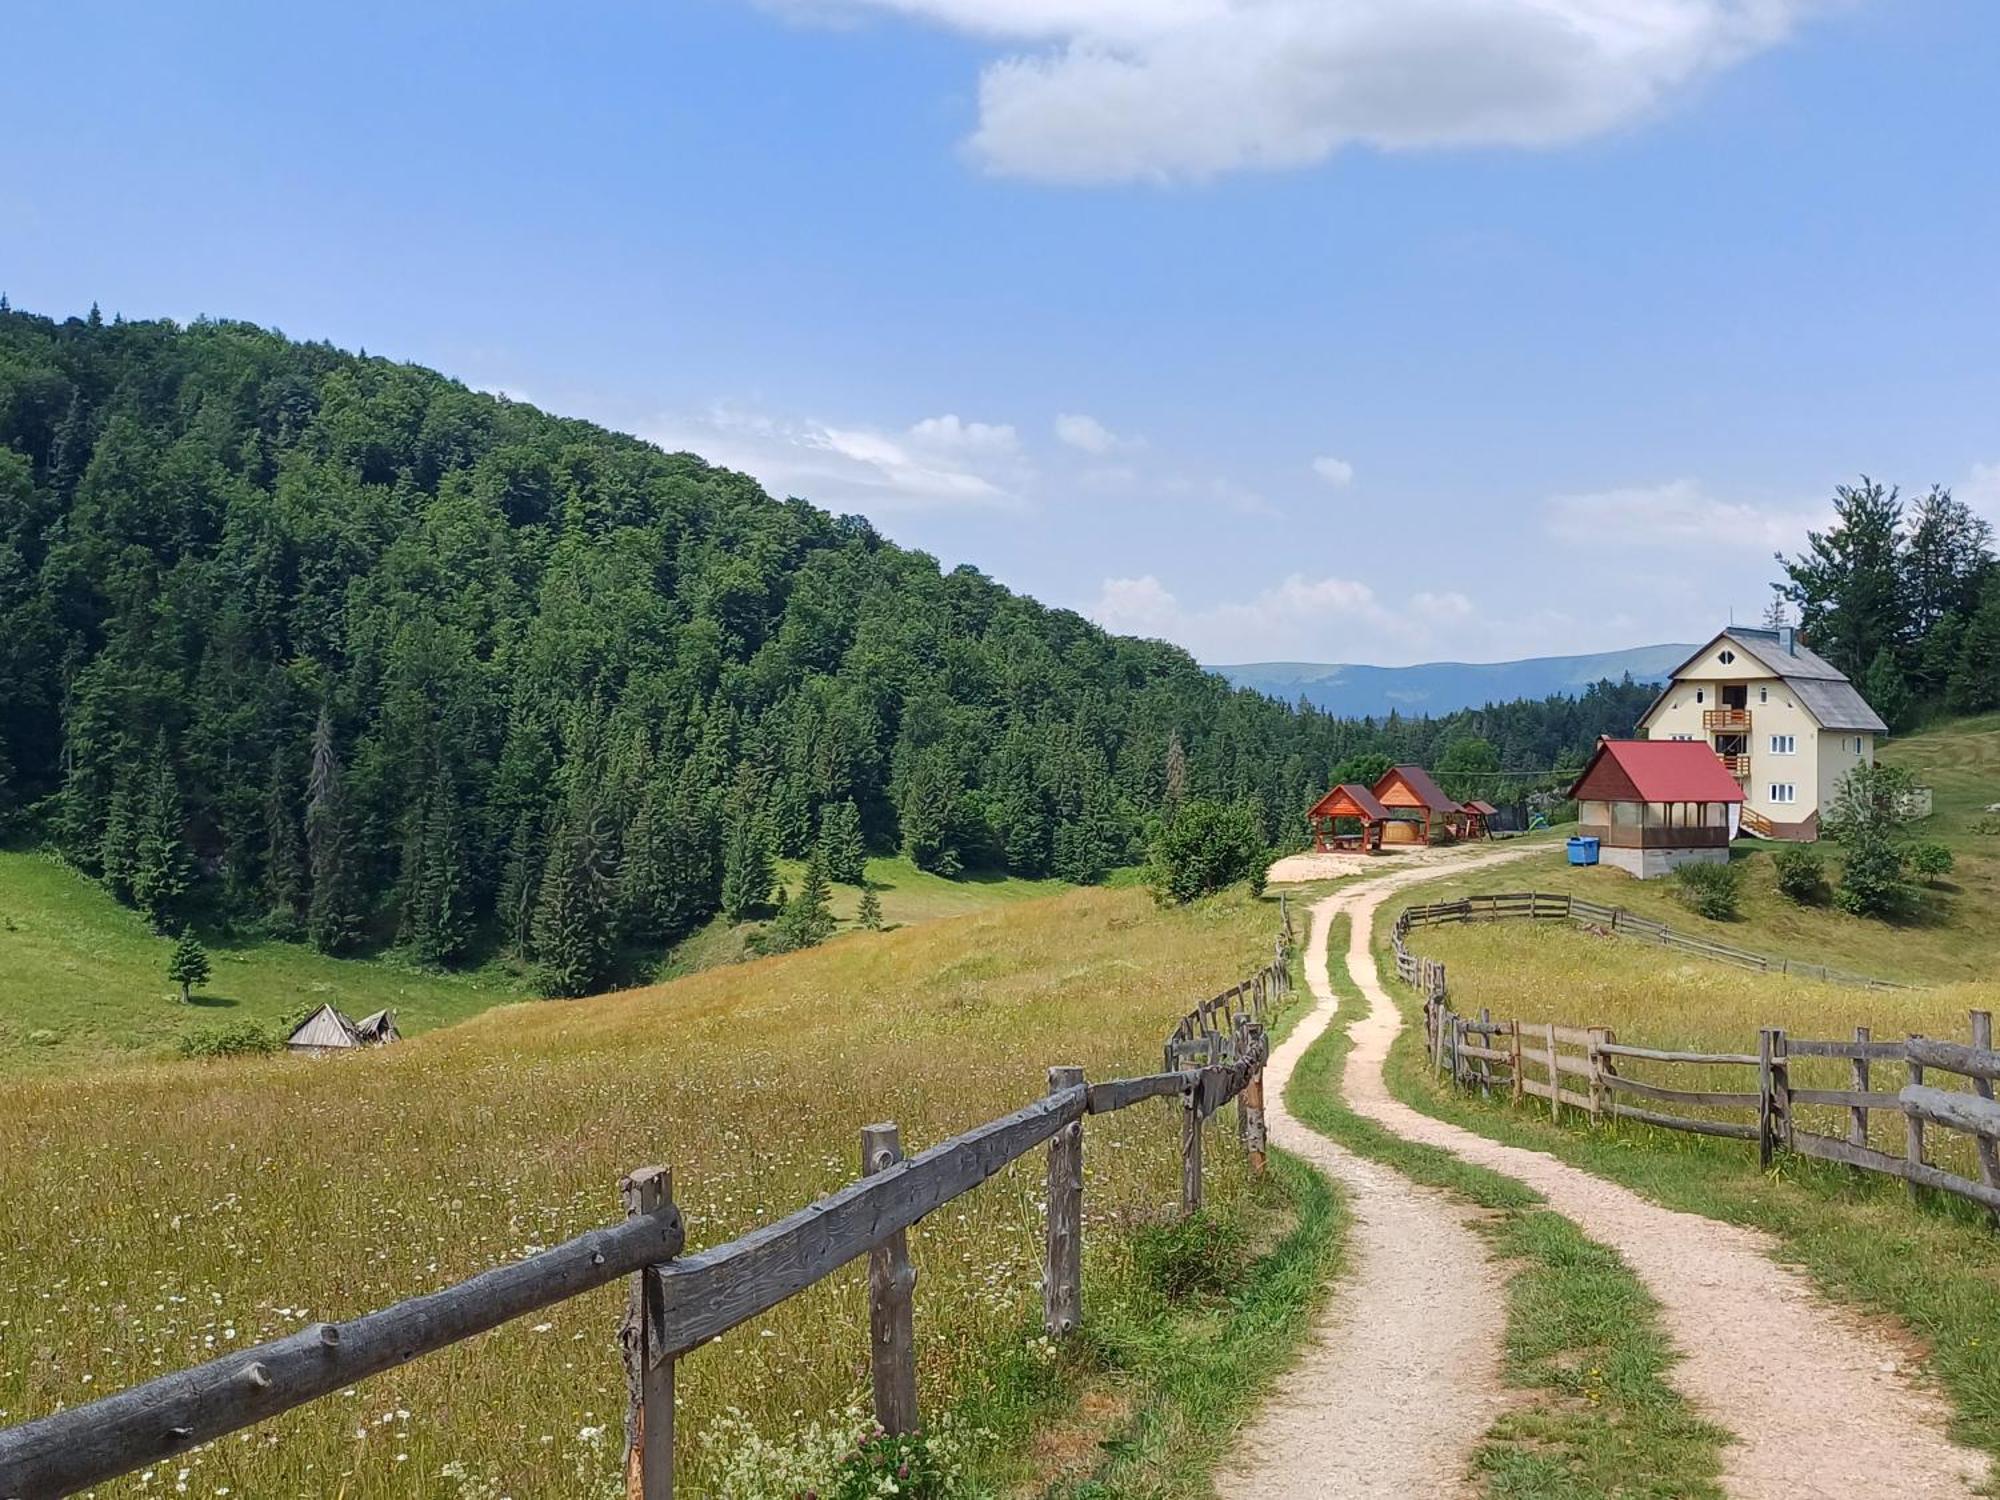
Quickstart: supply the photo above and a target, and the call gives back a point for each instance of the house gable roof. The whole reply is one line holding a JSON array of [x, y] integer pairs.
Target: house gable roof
[[325, 1027], [1822, 689], [1349, 800], [1417, 781], [1655, 771]]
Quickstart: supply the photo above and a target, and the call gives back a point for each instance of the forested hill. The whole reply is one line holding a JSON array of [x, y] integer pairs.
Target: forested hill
[[336, 644]]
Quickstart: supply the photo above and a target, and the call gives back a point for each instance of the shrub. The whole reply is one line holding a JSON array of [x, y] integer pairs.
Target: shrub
[[1931, 861], [1801, 873], [230, 1039], [1199, 1256], [1871, 879], [1205, 847], [1710, 890]]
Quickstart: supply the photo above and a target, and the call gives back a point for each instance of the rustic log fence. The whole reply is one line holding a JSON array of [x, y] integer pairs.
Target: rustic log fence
[[677, 1302], [1587, 1073]]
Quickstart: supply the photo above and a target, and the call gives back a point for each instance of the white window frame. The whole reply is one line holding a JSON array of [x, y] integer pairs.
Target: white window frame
[[1697, 695], [1680, 736], [1784, 793], [1763, 695], [1784, 744]]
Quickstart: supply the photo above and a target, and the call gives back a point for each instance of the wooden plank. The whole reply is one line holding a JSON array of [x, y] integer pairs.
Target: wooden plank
[[1982, 1041], [1952, 1057], [1712, 1100], [1832, 1148], [1572, 1097], [1954, 1110], [1555, 1095], [86, 1445], [1576, 1067], [1878, 1051], [1062, 1260], [710, 1293], [1254, 1138], [1913, 1128], [1486, 1054], [1573, 1036], [1850, 1099], [1857, 1118], [649, 1387], [892, 1331], [1191, 1153], [1118, 1093], [1539, 1090], [1724, 1128], [1654, 1054], [1766, 1130]]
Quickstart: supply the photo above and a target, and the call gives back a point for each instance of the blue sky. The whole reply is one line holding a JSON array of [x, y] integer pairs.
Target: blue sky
[[1377, 330]]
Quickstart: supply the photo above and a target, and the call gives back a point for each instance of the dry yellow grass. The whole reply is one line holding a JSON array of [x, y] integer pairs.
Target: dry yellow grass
[[157, 1216]]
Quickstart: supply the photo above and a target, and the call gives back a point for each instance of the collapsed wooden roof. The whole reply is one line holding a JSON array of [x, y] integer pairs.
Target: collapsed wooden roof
[[325, 1027]]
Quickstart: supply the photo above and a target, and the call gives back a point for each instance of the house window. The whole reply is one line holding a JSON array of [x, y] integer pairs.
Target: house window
[[1763, 695], [1784, 791], [1697, 695], [1784, 744], [1727, 657], [1681, 736]]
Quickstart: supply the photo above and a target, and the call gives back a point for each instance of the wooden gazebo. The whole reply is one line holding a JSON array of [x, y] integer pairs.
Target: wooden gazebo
[[1413, 802], [1355, 806]]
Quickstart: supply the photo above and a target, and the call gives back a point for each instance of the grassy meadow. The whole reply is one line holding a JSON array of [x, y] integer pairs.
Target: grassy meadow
[[157, 1215]]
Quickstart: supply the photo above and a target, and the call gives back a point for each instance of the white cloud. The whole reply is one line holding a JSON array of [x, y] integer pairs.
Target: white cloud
[[1678, 514], [937, 463], [1088, 435], [1295, 614], [1105, 90], [1337, 472], [1448, 606]]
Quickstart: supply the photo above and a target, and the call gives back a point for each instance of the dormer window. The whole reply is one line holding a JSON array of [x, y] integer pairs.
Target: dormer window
[[1727, 657]]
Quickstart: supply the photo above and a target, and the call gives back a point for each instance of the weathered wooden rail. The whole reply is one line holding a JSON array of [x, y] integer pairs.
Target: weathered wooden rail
[[676, 1303], [1586, 1073]]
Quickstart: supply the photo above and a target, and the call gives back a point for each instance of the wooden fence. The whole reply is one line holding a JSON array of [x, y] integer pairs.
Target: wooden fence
[[1817, 1098], [676, 1303]]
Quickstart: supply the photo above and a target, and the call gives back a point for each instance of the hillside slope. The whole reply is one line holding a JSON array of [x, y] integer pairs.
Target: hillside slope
[[406, 1168]]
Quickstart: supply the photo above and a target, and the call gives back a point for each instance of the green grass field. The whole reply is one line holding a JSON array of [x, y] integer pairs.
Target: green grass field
[[154, 1215], [84, 979]]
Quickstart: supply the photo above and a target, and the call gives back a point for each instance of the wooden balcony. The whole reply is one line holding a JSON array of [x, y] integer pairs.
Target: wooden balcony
[[1624, 836], [1726, 720], [1736, 765]]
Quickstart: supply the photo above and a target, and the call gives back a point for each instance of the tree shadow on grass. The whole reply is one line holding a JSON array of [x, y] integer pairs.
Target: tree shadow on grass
[[204, 1001]]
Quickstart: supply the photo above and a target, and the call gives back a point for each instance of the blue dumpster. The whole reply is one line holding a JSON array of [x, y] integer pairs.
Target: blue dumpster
[[1583, 851]]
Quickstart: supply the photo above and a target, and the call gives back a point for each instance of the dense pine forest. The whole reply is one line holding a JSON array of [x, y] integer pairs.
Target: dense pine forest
[[338, 647]]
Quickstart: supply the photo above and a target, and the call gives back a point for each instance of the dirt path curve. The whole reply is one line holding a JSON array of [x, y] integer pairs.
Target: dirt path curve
[[1390, 1396], [1818, 1400]]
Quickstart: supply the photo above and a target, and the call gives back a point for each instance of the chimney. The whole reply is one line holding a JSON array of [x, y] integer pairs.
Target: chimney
[[1788, 640]]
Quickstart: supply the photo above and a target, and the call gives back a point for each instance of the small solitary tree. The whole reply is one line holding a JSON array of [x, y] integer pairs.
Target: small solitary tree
[[1932, 861], [188, 964], [870, 913]]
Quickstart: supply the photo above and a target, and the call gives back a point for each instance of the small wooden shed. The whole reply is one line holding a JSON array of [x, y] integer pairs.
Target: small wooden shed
[[1353, 805], [1414, 802], [1473, 819], [327, 1030]]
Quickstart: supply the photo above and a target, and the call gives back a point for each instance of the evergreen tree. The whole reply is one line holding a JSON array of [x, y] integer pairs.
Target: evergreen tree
[[520, 885], [575, 909], [285, 876], [1176, 776], [1848, 582], [436, 885], [187, 966], [930, 803], [645, 870], [333, 919], [807, 918], [870, 913], [841, 851], [118, 848], [160, 864], [747, 873], [1975, 680], [1886, 691]]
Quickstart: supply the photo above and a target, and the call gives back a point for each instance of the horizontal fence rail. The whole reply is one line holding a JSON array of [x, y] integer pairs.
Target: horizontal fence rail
[[1215, 1053], [1751, 1096]]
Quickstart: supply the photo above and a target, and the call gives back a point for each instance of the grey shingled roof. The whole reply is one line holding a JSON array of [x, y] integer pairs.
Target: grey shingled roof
[[1823, 689]]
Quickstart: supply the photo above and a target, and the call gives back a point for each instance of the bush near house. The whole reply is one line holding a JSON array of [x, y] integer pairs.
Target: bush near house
[[1801, 874], [1203, 848], [1712, 891], [1932, 861]]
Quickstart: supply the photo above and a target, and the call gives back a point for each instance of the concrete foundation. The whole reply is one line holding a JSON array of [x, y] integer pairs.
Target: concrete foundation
[[1651, 864]]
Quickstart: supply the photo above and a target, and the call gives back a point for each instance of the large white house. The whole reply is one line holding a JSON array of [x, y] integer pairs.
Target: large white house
[[1787, 724]]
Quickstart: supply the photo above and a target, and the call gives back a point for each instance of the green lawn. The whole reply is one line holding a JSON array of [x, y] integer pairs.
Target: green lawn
[[84, 979]]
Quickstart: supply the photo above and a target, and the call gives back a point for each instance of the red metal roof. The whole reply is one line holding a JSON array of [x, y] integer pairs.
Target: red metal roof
[[1349, 794], [1656, 771]]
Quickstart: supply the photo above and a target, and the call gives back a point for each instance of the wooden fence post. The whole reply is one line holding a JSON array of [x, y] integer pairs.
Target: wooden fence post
[[1485, 1064], [1857, 1117], [1913, 1131], [1765, 1129], [1062, 1267], [1253, 1108], [892, 1334], [1555, 1079], [1594, 1056], [649, 1387], [1781, 1084], [1191, 1145], [1514, 1046], [1982, 1037]]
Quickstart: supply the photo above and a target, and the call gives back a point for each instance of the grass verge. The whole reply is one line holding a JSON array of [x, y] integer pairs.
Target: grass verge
[[1934, 1269], [1583, 1339]]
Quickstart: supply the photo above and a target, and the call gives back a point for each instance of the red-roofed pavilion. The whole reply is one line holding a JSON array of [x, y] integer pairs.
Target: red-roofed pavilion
[[1654, 805], [1348, 820]]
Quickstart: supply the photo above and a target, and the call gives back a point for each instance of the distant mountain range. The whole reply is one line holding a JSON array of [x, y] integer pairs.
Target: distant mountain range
[[1440, 687]]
